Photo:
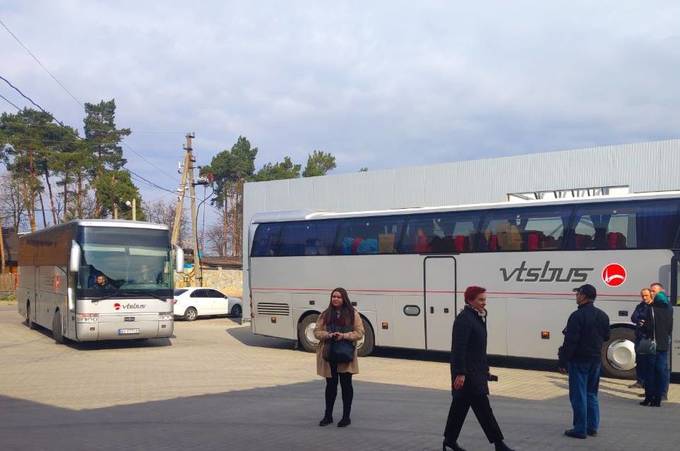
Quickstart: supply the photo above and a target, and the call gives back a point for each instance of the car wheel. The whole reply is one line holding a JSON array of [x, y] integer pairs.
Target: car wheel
[[236, 311], [190, 314], [366, 345], [57, 332], [306, 337], [29, 320], [618, 354]]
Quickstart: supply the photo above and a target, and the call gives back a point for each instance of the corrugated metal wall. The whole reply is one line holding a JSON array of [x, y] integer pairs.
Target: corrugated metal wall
[[651, 166]]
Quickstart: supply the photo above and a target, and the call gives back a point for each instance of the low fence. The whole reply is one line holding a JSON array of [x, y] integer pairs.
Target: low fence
[[7, 282]]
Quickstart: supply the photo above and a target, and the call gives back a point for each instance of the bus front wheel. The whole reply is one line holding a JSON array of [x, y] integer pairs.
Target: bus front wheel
[[306, 337], [365, 345], [618, 354]]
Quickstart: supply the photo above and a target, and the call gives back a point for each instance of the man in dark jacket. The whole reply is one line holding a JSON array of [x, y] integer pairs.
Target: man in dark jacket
[[659, 294], [470, 373], [587, 329], [640, 318], [660, 328]]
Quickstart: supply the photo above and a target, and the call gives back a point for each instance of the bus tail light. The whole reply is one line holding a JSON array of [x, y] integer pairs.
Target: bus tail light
[[545, 334], [165, 316], [87, 317]]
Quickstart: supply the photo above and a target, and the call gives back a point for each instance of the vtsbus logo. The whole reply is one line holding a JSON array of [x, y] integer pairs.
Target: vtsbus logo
[[545, 273], [128, 306], [614, 275]]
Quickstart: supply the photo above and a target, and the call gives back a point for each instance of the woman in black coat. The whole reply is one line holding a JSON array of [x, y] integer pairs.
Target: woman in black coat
[[470, 373]]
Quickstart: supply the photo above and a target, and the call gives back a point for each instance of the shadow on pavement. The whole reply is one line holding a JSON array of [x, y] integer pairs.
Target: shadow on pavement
[[246, 337], [111, 344], [385, 417]]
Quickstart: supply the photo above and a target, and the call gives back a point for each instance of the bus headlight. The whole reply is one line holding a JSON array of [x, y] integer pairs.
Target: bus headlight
[[165, 316], [87, 317]]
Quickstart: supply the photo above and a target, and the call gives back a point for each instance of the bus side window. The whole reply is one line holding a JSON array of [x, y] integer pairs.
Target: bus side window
[[266, 241]]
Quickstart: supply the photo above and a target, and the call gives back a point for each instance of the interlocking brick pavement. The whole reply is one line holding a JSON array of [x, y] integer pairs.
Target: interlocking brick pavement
[[215, 386]]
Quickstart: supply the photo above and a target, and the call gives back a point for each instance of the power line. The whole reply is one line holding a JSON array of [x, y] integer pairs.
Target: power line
[[149, 181], [31, 100], [10, 102], [39, 62], [62, 124]]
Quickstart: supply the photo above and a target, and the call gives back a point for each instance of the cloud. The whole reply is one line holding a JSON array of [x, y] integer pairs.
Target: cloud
[[379, 84]]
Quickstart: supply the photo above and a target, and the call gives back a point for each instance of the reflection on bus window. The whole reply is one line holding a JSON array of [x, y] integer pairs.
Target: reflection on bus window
[[593, 226], [361, 236], [441, 233], [530, 229], [307, 238]]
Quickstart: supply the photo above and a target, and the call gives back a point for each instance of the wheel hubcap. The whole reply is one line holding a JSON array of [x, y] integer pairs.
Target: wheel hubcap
[[621, 355], [309, 334]]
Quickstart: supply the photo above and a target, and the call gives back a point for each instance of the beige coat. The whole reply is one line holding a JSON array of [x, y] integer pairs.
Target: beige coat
[[323, 368]]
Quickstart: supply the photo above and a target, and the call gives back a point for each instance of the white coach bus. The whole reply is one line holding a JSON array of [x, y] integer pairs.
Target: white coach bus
[[90, 280], [406, 270]]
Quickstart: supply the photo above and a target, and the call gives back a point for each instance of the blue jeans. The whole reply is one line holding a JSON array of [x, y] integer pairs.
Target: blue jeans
[[657, 376], [584, 382]]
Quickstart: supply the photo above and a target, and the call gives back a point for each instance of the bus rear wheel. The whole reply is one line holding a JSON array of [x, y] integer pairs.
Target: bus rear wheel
[[306, 337], [618, 354], [57, 331], [29, 320], [236, 311]]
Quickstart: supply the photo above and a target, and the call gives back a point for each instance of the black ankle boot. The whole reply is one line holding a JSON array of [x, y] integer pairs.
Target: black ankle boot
[[501, 446], [655, 402], [454, 446], [344, 422], [326, 420], [646, 402]]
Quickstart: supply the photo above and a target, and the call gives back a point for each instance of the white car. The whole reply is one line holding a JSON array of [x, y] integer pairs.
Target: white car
[[190, 303]]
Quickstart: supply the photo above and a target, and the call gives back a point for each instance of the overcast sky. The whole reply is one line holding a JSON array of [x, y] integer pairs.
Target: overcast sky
[[378, 84]]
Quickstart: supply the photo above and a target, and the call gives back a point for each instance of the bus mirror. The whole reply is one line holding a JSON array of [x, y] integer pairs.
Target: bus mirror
[[179, 259], [74, 261]]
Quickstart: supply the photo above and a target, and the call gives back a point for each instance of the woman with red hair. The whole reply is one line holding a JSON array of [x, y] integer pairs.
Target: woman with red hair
[[470, 373]]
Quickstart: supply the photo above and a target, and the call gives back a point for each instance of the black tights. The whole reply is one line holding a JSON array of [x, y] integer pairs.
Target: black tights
[[332, 392]]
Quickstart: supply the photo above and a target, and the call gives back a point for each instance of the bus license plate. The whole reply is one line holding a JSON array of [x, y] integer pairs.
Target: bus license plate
[[128, 331]]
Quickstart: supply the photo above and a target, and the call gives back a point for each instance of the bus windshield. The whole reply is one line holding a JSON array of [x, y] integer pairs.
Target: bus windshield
[[124, 262]]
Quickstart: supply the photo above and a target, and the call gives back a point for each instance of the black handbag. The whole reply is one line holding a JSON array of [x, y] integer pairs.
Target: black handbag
[[340, 351], [647, 345]]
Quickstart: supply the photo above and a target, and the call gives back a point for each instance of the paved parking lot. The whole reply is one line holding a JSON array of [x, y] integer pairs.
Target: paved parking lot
[[216, 386]]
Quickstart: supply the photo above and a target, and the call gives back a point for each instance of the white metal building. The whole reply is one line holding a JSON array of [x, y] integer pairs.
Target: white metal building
[[634, 168]]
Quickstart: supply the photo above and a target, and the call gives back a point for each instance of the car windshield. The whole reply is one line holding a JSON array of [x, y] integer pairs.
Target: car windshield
[[125, 261]]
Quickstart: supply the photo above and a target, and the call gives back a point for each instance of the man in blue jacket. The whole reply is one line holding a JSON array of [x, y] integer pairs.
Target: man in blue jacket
[[587, 329]]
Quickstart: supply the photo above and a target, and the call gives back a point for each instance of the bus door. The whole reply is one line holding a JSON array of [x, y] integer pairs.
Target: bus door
[[439, 297], [674, 300]]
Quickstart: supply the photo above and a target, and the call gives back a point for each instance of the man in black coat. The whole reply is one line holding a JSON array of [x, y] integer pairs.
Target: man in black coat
[[660, 326], [580, 355], [470, 373]]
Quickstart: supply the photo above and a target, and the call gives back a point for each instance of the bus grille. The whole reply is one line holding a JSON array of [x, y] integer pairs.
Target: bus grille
[[273, 308]]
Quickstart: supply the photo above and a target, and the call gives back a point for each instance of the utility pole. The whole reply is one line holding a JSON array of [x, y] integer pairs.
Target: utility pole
[[179, 208], [188, 181], [2, 248], [198, 272]]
